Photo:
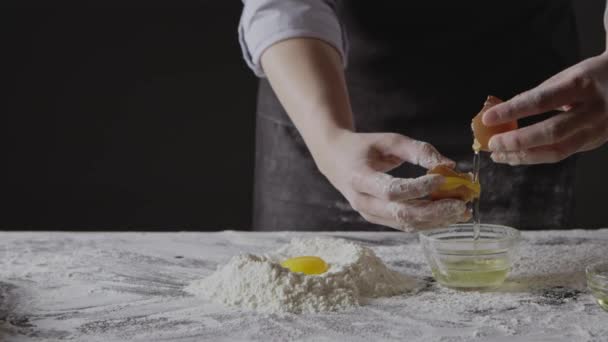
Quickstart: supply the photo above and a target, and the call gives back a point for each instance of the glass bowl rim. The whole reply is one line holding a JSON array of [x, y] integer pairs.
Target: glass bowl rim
[[603, 277], [512, 234]]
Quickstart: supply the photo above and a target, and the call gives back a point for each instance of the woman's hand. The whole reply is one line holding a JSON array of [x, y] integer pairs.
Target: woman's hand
[[307, 76], [355, 163], [580, 92]]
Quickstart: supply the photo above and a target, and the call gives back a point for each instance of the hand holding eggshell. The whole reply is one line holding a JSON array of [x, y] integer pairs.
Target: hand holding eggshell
[[579, 92]]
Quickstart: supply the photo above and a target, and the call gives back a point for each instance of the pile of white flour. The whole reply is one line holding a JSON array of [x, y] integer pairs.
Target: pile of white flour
[[259, 282]]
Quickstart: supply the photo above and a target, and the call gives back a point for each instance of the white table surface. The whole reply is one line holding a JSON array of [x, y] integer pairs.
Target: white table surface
[[129, 287]]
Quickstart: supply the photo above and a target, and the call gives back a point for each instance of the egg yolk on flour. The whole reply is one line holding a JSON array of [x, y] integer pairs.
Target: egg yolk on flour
[[308, 265]]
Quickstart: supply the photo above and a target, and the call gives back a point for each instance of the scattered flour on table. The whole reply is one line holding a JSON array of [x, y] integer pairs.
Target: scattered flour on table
[[259, 282]]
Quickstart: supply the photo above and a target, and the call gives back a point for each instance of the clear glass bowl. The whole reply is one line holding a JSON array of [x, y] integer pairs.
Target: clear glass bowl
[[597, 282], [458, 261]]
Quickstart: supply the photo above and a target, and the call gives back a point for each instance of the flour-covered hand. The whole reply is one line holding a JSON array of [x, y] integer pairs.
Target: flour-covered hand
[[356, 164], [579, 92]]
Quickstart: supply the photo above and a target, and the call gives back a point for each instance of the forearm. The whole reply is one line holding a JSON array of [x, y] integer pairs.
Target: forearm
[[307, 76]]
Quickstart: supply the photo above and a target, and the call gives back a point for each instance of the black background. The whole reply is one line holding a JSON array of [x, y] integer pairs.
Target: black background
[[140, 115]]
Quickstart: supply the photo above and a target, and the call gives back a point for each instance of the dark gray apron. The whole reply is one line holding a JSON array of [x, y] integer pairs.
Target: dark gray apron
[[424, 71]]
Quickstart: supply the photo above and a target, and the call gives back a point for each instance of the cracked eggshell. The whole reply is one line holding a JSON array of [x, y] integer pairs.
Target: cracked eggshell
[[483, 133]]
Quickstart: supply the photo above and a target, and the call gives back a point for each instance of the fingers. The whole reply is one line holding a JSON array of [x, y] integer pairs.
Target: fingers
[[386, 222], [429, 214], [546, 132], [581, 140], [595, 143], [386, 187], [414, 151], [546, 97], [410, 226], [410, 215]]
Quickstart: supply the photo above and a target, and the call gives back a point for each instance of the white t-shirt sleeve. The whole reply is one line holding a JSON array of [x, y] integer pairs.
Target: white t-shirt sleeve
[[266, 22]]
